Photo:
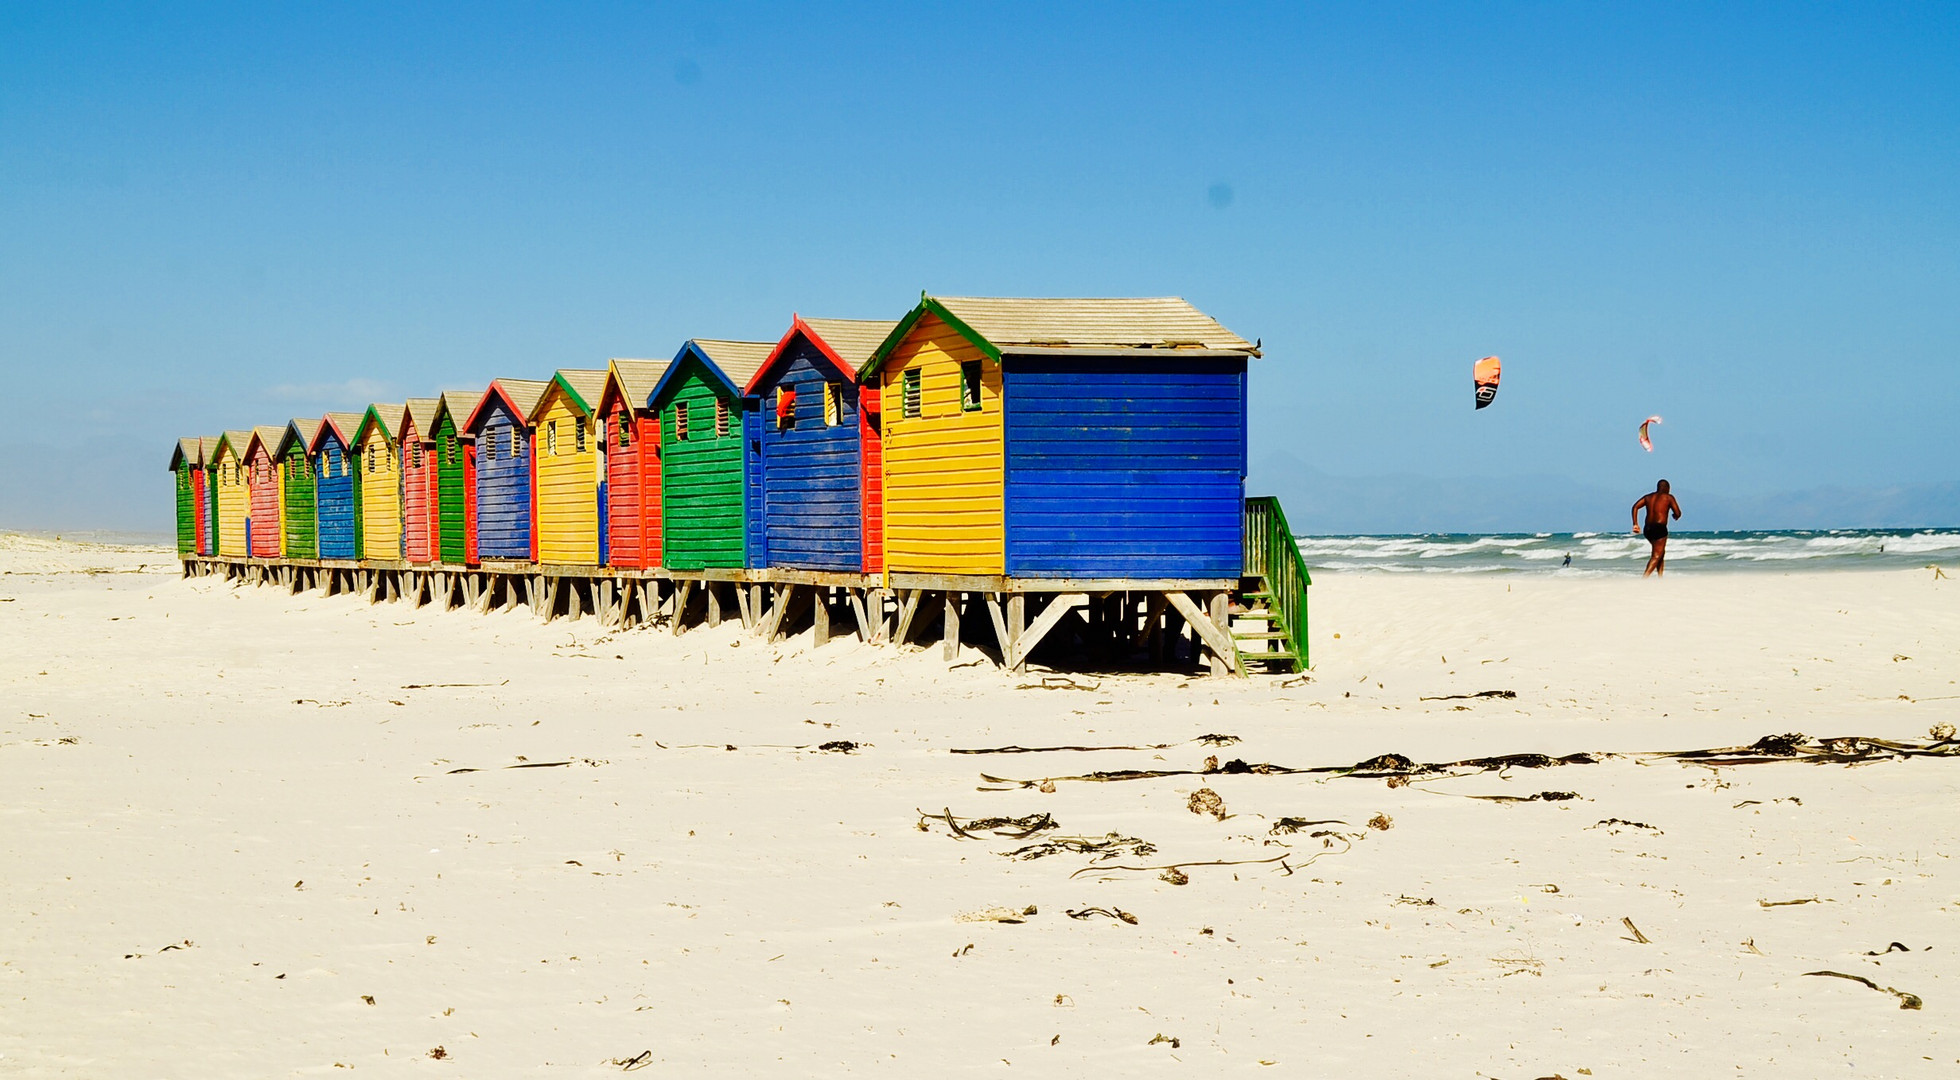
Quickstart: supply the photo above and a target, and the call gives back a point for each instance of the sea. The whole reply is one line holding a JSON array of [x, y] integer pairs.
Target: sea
[[1592, 553]]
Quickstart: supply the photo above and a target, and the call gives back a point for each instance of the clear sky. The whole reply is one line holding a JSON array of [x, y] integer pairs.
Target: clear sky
[[1743, 218]]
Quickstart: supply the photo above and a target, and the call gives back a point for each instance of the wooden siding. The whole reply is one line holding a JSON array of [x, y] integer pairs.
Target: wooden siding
[[568, 483], [186, 510], [420, 490], [1124, 467], [449, 490], [334, 500], [942, 497], [503, 486], [701, 489], [380, 495], [632, 488], [755, 538], [201, 502], [811, 476], [234, 504], [298, 515], [871, 442], [263, 482]]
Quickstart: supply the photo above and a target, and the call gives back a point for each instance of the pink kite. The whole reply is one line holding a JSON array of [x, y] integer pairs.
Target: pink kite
[[1646, 443]]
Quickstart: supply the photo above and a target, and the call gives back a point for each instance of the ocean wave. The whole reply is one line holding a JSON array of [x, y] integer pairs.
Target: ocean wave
[[1591, 553]]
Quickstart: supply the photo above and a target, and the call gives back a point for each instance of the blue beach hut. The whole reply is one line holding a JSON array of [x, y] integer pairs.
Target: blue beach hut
[[505, 474], [817, 457]]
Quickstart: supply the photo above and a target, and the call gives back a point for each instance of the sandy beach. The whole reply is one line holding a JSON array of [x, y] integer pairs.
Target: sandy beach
[[249, 834]]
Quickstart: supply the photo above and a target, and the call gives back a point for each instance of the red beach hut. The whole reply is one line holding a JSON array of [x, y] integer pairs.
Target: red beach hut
[[262, 478], [421, 484]]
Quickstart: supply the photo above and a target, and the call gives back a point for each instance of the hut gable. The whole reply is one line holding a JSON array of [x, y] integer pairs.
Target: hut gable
[[570, 464], [453, 476], [632, 436], [501, 465], [705, 482], [815, 509], [187, 453]]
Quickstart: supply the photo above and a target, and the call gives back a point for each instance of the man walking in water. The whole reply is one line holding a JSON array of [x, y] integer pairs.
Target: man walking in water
[[1659, 506]]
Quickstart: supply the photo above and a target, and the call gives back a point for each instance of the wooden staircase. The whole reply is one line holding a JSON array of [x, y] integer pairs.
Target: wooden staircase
[[1268, 613]]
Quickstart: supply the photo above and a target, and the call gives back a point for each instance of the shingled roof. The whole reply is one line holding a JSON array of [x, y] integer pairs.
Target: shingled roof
[[1031, 326]]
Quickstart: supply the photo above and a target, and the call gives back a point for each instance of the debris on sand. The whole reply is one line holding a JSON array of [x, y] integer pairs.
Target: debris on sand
[[1206, 801], [1793, 903], [1638, 938], [1109, 846], [1507, 695], [638, 1061], [1294, 824], [1058, 682], [998, 914], [1896, 946], [837, 746], [1543, 796], [1113, 913], [1217, 740], [1906, 1001], [1006, 828], [1843, 750], [1381, 823], [1176, 877], [1058, 749], [1163, 1038], [1613, 825]]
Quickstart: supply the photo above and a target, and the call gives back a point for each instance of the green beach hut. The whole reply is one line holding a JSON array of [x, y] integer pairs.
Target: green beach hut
[[298, 511], [704, 481]]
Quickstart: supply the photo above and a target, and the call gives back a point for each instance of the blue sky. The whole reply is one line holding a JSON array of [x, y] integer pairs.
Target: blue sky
[[1743, 218]]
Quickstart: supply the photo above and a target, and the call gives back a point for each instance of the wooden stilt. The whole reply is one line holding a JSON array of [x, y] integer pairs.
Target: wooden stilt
[[950, 628], [1000, 625], [820, 613], [908, 608], [682, 593]]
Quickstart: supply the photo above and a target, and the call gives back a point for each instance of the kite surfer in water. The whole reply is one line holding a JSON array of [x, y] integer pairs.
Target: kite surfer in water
[[1660, 506]]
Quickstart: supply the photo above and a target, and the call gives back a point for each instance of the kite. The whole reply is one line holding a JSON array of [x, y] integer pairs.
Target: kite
[[1646, 443], [1486, 373]]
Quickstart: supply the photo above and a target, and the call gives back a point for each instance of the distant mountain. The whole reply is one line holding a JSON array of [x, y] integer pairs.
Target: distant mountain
[[1320, 504]]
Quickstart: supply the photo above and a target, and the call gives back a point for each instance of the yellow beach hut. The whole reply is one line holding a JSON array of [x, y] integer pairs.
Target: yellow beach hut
[[571, 466], [234, 496], [377, 456]]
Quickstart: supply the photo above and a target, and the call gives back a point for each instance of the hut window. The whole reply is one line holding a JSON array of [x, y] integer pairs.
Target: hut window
[[912, 393], [785, 408], [371, 456], [625, 428], [578, 436], [721, 418], [516, 442], [449, 449], [680, 421], [551, 439], [418, 455], [970, 386], [830, 404]]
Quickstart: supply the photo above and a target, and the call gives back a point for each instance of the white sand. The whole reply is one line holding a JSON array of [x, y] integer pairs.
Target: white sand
[[249, 773]]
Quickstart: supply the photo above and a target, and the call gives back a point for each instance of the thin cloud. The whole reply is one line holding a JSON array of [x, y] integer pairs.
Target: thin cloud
[[351, 391]]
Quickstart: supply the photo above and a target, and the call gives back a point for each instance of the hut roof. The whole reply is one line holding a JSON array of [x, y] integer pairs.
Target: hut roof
[[232, 440], [1105, 326], [458, 404], [731, 363], [191, 450], [268, 435], [848, 343], [387, 417], [522, 395], [303, 431], [635, 380], [583, 386], [342, 425], [422, 411]]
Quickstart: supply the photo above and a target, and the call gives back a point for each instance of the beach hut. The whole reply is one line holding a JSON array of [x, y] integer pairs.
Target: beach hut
[[187, 464], [1063, 438], [705, 434], [421, 482], [263, 523], [337, 486], [632, 434], [819, 451], [298, 513], [377, 455], [452, 475], [503, 468], [234, 502], [571, 469]]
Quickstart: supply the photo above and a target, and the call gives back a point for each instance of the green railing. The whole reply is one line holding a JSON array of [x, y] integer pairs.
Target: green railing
[[1272, 556]]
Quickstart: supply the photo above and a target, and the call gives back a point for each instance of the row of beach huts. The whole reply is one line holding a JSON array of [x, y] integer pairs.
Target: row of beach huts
[[1019, 466]]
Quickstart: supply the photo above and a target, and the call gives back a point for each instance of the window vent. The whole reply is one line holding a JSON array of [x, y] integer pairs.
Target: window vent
[[721, 418], [912, 394]]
